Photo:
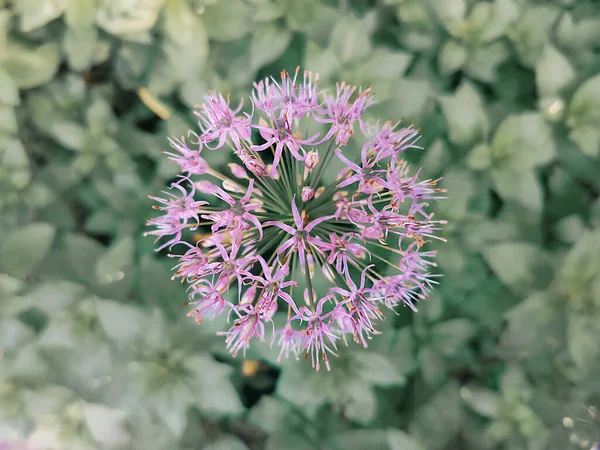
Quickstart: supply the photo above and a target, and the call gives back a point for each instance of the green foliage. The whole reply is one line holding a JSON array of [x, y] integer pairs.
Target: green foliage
[[95, 350]]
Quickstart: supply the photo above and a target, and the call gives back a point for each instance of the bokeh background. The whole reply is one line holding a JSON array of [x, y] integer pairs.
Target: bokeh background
[[95, 349]]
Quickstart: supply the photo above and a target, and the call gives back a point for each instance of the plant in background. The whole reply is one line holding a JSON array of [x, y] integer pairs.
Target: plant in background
[[275, 224]]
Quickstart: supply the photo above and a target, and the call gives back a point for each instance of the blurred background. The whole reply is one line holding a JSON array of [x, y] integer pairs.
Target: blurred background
[[95, 349]]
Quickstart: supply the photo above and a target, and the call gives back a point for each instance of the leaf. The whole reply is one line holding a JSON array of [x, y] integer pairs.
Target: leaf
[[8, 120], [530, 32], [484, 401], [532, 323], [377, 369], [13, 335], [524, 141], [433, 367], [83, 252], [79, 44], [521, 266], [350, 39], [451, 13], [80, 13], [482, 62], [106, 425], [187, 45], [120, 322], [322, 61], [521, 185], [270, 414], [227, 20], [157, 288], [128, 18], [449, 338], [399, 440], [502, 15], [584, 111], [37, 13], [362, 406], [23, 249], [9, 91], [69, 134], [452, 57], [587, 139], [580, 268], [358, 439], [116, 262], [479, 158], [212, 388], [267, 44], [31, 67], [227, 443], [553, 72], [14, 163], [437, 421], [54, 296], [465, 115]]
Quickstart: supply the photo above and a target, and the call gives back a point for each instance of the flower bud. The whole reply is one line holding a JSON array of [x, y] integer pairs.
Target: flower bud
[[256, 167], [307, 193], [312, 159], [238, 171]]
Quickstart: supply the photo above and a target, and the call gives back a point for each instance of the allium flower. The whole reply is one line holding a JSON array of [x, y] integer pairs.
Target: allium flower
[[275, 220]]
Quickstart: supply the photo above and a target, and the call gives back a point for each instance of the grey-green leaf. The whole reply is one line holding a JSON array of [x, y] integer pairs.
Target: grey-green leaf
[[521, 266], [23, 249]]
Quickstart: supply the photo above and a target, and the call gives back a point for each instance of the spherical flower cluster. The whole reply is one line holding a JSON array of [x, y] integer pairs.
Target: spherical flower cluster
[[279, 235]]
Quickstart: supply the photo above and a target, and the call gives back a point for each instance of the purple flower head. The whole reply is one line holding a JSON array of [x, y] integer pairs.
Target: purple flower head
[[218, 121], [252, 239]]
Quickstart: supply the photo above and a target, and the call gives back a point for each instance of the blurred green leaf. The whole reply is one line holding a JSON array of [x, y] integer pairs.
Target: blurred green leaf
[[399, 440], [449, 338], [268, 43], [79, 45], [54, 296], [350, 39], [227, 20], [14, 164], [211, 387], [530, 32], [451, 13], [120, 322], [553, 72], [37, 13], [518, 184], [106, 425], [465, 115], [80, 13], [377, 369], [9, 91], [582, 342], [481, 400], [523, 141], [438, 420], [433, 367], [23, 249], [523, 267], [127, 18], [116, 262], [83, 252], [31, 67], [452, 57]]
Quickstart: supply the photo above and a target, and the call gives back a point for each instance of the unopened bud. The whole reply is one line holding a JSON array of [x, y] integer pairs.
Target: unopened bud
[[231, 186], [312, 159], [256, 167], [307, 193], [238, 171], [204, 186]]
